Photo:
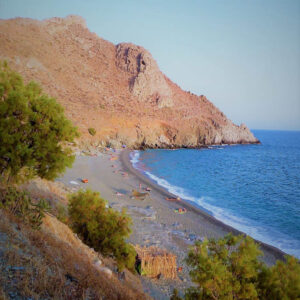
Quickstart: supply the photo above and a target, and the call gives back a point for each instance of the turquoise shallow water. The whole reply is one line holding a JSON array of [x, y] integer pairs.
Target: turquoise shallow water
[[254, 188]]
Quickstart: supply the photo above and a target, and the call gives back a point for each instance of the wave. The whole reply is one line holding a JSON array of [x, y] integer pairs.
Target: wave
[[266, 235], [178, 191], [134, 158]]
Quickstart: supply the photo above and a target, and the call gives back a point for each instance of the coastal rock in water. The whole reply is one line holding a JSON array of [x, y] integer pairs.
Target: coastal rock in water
[[117, 89]]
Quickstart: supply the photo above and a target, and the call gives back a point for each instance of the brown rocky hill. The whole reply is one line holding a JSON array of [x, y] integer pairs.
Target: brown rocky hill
[[116, 89]]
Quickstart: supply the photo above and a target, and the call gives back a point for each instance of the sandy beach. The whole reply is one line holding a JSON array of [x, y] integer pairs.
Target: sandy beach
[[155, 221]]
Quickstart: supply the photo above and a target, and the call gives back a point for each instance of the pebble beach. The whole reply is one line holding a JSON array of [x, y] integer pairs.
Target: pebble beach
[[156, 221]]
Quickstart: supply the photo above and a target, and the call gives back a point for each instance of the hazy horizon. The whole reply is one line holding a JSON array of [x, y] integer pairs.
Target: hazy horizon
[[244, 56]]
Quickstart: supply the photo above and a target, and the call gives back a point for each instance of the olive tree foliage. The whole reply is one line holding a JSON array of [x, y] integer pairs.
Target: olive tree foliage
[[229, 269], [34, 131]]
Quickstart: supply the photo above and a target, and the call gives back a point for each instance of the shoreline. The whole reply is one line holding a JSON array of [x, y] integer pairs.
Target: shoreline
[[201, 146], [154, 220], [127, 165]]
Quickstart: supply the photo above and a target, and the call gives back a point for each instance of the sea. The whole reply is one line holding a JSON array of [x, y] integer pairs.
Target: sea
[[253, 188]]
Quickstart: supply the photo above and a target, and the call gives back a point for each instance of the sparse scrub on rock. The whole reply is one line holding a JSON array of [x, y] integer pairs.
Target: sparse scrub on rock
[[62, 213], [229, 268], [101, 227], [20, 204], [33, 131], [129, 96], [53, 264], [92, 131]]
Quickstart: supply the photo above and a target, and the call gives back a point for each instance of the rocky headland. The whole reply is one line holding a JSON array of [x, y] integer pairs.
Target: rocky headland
[[118, 90]]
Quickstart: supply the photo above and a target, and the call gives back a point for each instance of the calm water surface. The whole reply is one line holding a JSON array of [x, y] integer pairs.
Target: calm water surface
[[254, 188]]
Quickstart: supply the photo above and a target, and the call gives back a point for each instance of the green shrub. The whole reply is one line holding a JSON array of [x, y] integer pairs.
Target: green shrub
[[281, 281], [62, 213], [101, 227], [33, 131], [19, 203], [175, 295], [229, 268], [92, 131]]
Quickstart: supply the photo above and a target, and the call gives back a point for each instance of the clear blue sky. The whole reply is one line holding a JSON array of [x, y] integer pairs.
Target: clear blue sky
[[244, 55]]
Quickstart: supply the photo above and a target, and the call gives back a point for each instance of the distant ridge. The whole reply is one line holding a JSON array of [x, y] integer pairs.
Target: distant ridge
[[116, 89]]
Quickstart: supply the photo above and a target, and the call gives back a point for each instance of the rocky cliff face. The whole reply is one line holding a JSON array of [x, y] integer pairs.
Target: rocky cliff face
[[118, 90], [147, 82]]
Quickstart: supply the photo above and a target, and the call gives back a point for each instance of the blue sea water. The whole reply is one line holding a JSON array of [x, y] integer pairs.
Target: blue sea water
[[253, 188]]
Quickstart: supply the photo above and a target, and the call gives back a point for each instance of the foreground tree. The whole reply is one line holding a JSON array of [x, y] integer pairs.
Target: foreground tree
[[33, 131], [281, 281], [229, 269], [101, 227]]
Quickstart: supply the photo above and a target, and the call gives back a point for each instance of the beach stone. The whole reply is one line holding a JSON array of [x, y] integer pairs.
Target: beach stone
[[106, 271], [98, 264], [178, 233], [122, 276], [192, 237], [177, 225], [149, 213]]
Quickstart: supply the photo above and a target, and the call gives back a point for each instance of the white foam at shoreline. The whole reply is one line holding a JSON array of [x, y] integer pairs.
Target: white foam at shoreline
[[134, 158], [273, 238]]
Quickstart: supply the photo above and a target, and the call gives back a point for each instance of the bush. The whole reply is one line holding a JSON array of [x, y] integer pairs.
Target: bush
[[92, 131], [175, 295], [33, 131], [61, 213], [281, 281], [19, 203], [229, 269], [101, 227]]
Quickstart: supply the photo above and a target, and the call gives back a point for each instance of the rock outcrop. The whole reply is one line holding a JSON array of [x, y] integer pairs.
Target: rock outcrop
[[147, 82], [118, 90]]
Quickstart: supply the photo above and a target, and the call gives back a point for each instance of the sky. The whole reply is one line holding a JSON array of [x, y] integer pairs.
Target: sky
[[244, 55]]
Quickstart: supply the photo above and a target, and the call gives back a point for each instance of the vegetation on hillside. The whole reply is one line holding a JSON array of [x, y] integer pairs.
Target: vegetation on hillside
[[34, 135], [229, 268], [101, 227], [92, 131], [20, 204], [36, 264], [33, 131]]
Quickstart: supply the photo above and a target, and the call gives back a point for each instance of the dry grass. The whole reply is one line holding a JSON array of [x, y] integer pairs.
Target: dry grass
[[156, 262], [50, 190], [55, 193], [52, 268]]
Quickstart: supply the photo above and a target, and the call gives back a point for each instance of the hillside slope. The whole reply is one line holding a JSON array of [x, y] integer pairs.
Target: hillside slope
[[53, 263], [116, 89]]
